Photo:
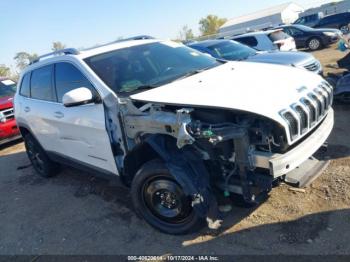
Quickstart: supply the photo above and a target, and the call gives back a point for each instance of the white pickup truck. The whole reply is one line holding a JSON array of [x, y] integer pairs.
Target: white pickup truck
[[173, 124]]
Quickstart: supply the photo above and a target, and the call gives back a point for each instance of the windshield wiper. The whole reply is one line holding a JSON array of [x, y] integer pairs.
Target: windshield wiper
[[138, 89], [193, 72]]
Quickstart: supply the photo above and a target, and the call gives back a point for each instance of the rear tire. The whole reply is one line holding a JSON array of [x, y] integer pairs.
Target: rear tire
[[314, 44], [160, 200], [39, 159]]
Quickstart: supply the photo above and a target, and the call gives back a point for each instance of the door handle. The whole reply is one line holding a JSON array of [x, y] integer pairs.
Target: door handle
[[27, 109], [58, 114]]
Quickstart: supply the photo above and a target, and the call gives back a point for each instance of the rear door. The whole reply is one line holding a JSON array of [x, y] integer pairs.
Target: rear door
[[82, 134], [38, 104]]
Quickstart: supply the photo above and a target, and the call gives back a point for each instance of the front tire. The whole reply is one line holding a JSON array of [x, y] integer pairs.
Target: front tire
[[39, 159], [161, 201], [314, 44]]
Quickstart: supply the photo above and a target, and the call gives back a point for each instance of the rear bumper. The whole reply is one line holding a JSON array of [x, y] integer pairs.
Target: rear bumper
[[9, 131], [281, 164]]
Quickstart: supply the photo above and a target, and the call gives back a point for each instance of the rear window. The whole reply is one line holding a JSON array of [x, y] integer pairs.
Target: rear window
[[41, 84], [247, 40], [277, 36], [25, 86]]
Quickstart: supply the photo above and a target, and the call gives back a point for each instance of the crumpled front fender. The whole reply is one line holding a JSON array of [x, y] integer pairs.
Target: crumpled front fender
[[190, 172]]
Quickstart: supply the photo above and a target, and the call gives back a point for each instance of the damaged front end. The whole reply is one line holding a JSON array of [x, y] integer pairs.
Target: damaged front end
[[206, 148]]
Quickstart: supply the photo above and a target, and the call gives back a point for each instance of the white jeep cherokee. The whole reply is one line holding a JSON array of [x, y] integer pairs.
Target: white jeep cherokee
[[173, 124]]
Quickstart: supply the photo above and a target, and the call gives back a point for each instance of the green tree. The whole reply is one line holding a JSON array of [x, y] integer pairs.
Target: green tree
[[23, 59], [4, 71], [56, 46], [186, 33], [211, 24]]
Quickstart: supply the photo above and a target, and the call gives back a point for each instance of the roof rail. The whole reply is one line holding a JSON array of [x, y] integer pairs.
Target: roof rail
[[66, 51], [138, 37]]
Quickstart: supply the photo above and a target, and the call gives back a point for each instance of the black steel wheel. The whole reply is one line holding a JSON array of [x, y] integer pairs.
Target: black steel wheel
[[39, 159], [166, 200], [161, 201]]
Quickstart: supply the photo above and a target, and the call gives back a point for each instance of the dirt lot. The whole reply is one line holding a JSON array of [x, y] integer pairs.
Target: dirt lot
[[75, 213]]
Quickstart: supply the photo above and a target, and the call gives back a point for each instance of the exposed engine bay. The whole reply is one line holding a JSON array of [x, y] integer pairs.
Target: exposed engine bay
[[223, 139]]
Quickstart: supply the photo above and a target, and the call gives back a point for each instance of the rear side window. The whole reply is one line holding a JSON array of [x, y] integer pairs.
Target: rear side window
[[67, 78], [329, 19], [25, 86], [247, 40], [41, 84]]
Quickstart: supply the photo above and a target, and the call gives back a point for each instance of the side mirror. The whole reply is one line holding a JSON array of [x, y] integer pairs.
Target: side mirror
[[77, 97]]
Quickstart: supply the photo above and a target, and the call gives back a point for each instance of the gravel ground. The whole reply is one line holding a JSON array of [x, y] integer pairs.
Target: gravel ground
[[75, 213]]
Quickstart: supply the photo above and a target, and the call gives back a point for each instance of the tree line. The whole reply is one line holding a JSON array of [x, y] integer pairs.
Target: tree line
[[208, 26], [23, 59]]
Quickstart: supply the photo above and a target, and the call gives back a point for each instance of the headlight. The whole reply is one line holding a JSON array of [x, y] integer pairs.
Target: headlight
[[329, 34], [2, 118]]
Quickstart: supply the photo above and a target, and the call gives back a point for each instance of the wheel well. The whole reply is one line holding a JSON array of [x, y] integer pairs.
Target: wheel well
[[133, 161], [24, 131]]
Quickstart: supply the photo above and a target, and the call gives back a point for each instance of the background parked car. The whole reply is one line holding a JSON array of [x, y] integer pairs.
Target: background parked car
[[309, 20], [313, 39], [338, 21], [232, 50], [8, 127], [267, 40]]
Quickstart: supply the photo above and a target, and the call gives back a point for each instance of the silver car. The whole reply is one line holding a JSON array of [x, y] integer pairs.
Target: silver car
[[234, 51]]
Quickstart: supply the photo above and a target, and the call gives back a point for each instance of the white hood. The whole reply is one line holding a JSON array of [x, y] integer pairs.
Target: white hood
[[263, 89]]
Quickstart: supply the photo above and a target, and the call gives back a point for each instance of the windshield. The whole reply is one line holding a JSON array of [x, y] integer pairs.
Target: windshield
[[7, 88], [231, 50], [141, 67]]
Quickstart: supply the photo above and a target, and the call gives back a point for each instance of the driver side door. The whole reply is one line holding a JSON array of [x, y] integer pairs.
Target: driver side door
[[82, 134]]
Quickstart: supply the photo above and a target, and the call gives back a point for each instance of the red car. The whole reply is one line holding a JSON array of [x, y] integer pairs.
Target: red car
[[8, 127]]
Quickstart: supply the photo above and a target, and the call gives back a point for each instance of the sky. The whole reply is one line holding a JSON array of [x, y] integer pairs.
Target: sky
[[32, 25]]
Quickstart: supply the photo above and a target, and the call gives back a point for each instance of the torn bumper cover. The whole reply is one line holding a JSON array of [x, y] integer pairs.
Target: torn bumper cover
[[189, 171], [281, 164]]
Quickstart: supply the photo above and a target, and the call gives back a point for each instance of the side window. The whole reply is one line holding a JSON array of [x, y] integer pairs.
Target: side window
[[41, 84], [248, 40], [295, 32], [25, 86], [67, 78]]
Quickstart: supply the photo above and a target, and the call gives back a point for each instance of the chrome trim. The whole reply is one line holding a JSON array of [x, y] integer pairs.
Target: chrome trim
[[314, 105], [281, 164]]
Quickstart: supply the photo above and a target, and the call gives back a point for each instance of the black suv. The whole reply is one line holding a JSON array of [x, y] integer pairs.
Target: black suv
[[339, 21], [313, 39]]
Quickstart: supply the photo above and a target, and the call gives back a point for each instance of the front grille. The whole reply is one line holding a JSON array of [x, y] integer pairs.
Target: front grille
[[303, 119], [312, 111], [309, 111], [319, 107], [314, 66], [292, 123], [9, 113]]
